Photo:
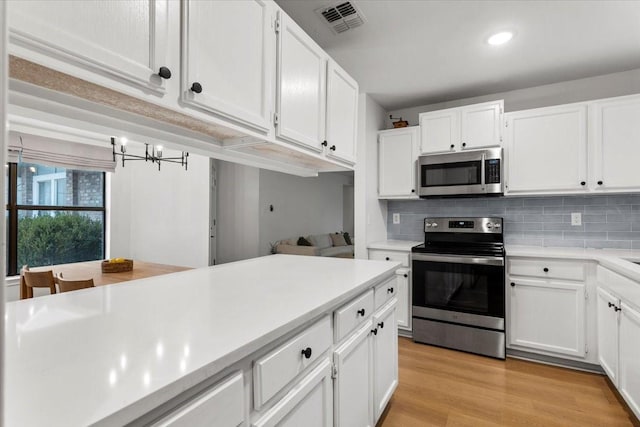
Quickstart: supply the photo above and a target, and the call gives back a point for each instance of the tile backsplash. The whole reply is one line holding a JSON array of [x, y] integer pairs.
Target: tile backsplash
[[611, 221]]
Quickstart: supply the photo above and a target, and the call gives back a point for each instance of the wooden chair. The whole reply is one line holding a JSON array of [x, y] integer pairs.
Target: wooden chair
[[73, 285], [36, 279]]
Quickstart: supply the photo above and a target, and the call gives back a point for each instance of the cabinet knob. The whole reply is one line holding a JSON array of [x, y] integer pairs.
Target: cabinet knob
[[464, 144], [165, 73], [406, 275], [361, 312], [413, 190], [387, 258], [307, 353], [452, 146], [583, 183], [374, 331], [324, 143], [389, 290], [196, 87], [599, 182], [610, 304], [332, 148], [381, 325], [513, 284], [546, 270], [617, 308]]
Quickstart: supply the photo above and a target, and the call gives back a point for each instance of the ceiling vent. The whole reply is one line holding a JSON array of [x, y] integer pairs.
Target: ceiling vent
[[341, 16]]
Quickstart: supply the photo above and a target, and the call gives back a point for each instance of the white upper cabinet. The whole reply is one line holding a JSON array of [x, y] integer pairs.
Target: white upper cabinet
[[122, 41], [301, 86], [228, 55], [397, 155], [481, 125], [615, 134], [547, 150], [440, 131], [342, 114], [463, 128]]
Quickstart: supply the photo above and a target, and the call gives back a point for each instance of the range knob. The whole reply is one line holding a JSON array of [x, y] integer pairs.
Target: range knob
[[489, 225], [428, 225], [497, 225], [435, 224]]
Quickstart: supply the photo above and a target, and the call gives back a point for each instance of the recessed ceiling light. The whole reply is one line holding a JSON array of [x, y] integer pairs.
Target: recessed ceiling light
[[500, 38]]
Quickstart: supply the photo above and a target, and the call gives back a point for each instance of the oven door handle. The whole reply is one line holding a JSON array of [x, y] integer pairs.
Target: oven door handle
[[459, 259]]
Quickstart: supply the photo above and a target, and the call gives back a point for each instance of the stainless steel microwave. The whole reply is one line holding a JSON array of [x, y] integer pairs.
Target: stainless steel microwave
[[467, 173]]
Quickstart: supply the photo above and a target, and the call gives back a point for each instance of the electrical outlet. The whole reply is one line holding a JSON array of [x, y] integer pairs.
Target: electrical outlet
[[396, 218], [576, 218]]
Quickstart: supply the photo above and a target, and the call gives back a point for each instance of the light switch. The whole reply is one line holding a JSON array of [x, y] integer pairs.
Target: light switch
[[396, 218]]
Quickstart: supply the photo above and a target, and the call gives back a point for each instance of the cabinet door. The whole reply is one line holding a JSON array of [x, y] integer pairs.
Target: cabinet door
[[397, 155], [223, 405], [310, 403], [548, 316], [629, 381], [353, 387], [440, 131], [385, 357], [301, 93], [123, 40], [608, 334], [227, 49], [403, 310], [547, 150], [616, 138], [342, 114], [481, 125]]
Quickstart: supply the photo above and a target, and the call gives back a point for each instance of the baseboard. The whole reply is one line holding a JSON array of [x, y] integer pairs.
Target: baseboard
[[555, 361], [405, 333]]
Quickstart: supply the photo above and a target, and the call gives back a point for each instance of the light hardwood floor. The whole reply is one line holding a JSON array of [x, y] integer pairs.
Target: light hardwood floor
[[440, 387]]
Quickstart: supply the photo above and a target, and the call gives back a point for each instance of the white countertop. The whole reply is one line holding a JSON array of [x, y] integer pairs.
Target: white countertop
[[119, 351], [394, 245]]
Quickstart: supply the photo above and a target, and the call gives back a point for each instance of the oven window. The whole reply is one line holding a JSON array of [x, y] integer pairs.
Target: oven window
[[447, 174], [468, 288]]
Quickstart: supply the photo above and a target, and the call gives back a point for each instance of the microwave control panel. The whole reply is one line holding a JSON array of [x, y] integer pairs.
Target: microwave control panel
[[492, 171]]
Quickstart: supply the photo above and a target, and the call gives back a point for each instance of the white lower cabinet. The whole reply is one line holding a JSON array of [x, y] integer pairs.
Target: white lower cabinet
[[548, 315], [608, 333], [223, 405], [629, 380], [353, 386], [309, 403], [385, 357]]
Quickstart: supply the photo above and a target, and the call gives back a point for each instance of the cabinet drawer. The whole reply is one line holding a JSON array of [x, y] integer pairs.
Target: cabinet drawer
[[222, 405], [275, 370], [568, 270], [385, 291], [349, 316], [378, 255]]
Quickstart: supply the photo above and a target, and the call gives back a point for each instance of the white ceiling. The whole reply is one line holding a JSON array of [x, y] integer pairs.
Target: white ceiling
[[411, 53]]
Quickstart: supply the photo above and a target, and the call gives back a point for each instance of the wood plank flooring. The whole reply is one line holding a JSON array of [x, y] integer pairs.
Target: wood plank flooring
[[440, 387]]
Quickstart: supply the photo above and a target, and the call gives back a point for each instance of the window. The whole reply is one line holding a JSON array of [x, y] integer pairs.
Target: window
[[54, 215]]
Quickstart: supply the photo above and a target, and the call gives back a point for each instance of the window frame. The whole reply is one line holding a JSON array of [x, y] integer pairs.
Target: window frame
[[12, 216]]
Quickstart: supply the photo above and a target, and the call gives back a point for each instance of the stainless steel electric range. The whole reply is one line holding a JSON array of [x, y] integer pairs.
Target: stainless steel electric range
[[459, 287]]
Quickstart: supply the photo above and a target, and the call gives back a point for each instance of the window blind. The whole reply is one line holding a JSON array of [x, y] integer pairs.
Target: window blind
[[55, 152]]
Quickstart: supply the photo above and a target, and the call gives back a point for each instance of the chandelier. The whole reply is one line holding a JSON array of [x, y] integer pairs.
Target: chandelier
[[153, 156]]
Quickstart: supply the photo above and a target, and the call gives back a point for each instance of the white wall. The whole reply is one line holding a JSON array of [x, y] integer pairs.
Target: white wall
[[301, 206], [370, 213], [161, 216], [238, 218], [605, 86]]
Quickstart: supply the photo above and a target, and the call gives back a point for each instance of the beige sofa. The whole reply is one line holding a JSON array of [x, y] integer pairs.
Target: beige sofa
[[322, 245]]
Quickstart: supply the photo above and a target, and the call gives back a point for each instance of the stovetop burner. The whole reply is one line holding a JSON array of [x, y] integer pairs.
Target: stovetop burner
[[462, 236]]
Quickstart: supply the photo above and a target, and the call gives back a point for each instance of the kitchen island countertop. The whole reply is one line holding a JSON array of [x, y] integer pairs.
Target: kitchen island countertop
[[112, 353]]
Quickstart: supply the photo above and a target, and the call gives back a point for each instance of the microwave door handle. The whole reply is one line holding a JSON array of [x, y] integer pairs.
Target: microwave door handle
[[482, 176]]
